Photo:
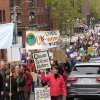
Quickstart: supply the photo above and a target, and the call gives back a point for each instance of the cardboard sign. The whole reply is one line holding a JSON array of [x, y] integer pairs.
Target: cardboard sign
[[60, 56], [42, 94], [41, 60], [42, 39], [90, 50]]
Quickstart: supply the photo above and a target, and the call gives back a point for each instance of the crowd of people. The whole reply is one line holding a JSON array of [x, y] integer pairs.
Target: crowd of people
[[18, 83], [79, 50]]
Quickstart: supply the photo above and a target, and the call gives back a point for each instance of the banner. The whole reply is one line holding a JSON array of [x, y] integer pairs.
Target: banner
[[42, 39], [15, 52], [42, 94], [90, 50], [6, 35], [41, 60]]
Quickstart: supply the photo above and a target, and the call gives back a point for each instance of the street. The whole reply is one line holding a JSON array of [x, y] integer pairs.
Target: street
[[86, 99]]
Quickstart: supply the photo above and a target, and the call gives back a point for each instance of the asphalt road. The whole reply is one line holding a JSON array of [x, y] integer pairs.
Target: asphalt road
[[32, 98], [87, 98]]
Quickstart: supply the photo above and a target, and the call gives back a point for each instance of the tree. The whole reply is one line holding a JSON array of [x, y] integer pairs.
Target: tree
[[64, 13], [95, 8]]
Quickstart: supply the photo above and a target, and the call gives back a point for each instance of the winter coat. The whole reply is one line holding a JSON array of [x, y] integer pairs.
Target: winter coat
[[28, 79], [1, 83], [21, 82], [57, 86], [13, 86]]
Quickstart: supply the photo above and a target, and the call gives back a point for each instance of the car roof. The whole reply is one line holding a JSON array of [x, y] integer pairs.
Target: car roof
[[88, 63], [95, 58]]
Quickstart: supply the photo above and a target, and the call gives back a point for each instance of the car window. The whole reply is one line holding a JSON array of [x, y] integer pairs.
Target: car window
[[98, 59], [86, 70]]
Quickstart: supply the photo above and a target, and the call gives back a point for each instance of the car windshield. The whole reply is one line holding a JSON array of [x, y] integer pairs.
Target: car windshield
[[95, 59], [86, 69]]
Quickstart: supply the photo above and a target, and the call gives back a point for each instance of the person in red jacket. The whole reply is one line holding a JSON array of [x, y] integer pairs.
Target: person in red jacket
[[28, 83], [57, 84]]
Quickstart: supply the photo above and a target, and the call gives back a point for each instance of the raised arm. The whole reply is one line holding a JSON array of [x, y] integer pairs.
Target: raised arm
[[45, 78]]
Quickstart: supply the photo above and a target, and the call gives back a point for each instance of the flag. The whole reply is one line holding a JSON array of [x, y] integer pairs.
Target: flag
[[6, 35]]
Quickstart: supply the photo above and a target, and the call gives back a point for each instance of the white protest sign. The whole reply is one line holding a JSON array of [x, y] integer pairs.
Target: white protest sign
[[42, 94], [41, 60], [13, 55], [42, 39], [51, 55]]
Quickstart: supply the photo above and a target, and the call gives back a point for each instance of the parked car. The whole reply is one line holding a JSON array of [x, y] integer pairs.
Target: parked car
[[84, 80]]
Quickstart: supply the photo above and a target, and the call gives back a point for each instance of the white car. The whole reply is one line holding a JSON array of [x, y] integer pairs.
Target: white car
[[95, 60]]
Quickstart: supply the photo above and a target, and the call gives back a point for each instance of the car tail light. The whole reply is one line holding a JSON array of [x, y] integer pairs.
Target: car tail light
[[72, 79], [98, 79]]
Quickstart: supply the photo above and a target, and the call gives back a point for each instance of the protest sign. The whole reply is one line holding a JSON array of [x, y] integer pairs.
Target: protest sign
[[60, 56], [41, 60], [42, 94], [13, 55], [90, 50], [42, 39], [51, 55], [81, 51], [95, 53]]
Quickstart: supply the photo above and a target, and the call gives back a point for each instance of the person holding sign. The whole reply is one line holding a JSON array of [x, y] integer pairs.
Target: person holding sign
[[57, 84]]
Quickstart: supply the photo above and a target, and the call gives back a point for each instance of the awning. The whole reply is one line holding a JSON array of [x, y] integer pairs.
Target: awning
[[81, 25]]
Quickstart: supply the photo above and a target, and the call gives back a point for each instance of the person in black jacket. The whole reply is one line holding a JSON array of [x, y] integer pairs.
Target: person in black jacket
[[14, 92], [21, 83], [1, 87]]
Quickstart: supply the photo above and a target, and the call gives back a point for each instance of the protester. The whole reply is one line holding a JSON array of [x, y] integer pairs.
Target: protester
[[27, 87], [21, 83], [57, 84], [1, 87], [31, 66], [13, 86]]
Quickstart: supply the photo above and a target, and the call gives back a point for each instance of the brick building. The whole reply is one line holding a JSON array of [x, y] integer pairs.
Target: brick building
[[4, 18], [30, 14]]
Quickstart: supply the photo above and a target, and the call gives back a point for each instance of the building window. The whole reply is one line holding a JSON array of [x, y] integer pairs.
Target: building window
[[31, 17], [2, 54], [18, 2], [11, 3], [2, 16], [19, 17], [12, 17], [31, 3], [20, 33]]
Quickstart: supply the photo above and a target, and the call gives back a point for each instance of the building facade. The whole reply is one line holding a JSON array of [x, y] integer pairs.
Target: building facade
[[4, 18], [29, 15]]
